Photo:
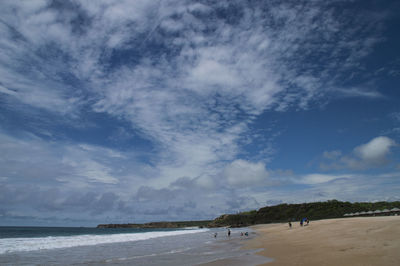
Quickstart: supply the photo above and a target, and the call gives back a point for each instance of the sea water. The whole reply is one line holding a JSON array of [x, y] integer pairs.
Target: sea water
[[120, 246]]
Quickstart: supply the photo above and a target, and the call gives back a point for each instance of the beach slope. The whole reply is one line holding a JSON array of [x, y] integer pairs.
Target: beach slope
[[349, 241]]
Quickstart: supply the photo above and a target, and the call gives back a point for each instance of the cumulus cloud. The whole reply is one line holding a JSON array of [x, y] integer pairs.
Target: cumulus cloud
[[376, 150], [369, 155]]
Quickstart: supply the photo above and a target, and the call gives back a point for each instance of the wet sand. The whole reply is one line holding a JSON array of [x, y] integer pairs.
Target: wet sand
[[348, 241]]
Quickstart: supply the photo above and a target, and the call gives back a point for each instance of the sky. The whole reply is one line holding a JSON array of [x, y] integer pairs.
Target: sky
[[138, 111]]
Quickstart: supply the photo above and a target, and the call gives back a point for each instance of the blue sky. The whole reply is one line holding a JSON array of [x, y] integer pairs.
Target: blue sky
[[135, 111]]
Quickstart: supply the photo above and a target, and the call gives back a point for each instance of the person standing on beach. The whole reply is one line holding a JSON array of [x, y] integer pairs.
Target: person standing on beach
[[290, 224], [229, 232]]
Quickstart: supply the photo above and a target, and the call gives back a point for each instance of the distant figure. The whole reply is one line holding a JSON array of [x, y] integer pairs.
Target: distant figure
[[241, 233], [308, 221], [290, 224], [301, 223], [246, 234], [229, 232], [215, 235]]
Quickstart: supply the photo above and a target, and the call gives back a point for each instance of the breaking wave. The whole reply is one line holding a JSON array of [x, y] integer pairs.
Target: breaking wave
[[8, 245]]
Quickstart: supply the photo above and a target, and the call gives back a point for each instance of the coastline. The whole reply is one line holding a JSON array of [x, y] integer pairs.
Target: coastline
[[343, 241]]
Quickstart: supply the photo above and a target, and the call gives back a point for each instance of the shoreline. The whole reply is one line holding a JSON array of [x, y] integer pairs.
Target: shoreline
[[342, 241], [243, 255]]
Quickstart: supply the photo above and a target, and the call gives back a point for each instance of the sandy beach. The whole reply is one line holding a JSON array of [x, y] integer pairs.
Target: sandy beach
[[349, 241]]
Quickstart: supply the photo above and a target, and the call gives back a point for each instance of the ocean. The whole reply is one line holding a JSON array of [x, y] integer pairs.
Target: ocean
[[122, 246]]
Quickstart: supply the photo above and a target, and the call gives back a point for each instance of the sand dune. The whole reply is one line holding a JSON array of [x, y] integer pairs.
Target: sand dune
[[349, 241]]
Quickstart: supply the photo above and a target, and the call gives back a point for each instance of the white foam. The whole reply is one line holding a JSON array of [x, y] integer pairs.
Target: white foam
[[8, 245]]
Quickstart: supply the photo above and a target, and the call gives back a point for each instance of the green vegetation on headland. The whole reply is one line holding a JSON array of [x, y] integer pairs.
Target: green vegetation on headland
[[295, 212], [274, 214]]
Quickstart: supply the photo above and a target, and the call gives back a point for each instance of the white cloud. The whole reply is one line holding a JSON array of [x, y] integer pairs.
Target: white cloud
[[372, 154], [245, 173], [33, 160], [206, 182], [313, 179], [90, 170], [358, 92], [7, 91], [376, 149], [395, 116]]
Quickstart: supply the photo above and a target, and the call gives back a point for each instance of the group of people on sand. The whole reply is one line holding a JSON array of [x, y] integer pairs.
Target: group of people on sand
[[303, 222], [229, 233]]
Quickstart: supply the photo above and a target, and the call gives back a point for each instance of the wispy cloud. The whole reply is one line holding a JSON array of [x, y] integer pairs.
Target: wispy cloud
[[312, 179], [357, 92], [190, 78]]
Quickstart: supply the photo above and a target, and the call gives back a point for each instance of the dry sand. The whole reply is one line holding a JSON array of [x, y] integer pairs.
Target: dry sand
[[349, 241]]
